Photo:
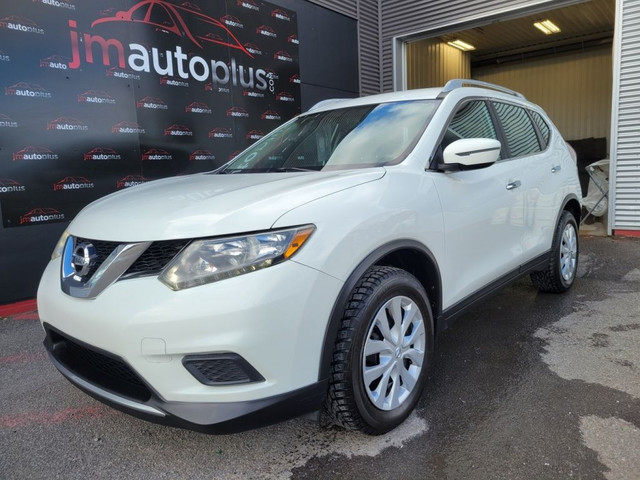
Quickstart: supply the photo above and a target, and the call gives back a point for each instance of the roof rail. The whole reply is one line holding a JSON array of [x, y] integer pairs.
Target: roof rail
[[464, 82]]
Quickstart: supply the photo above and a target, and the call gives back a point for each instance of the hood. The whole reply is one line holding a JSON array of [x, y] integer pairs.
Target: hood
[[208, 204]]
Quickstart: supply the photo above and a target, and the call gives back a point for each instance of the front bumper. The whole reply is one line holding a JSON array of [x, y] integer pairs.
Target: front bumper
[[228, 417], [275, 319]]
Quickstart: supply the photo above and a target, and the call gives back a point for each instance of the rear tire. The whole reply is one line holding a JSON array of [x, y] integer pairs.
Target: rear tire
[[382, 353], [563, 265]]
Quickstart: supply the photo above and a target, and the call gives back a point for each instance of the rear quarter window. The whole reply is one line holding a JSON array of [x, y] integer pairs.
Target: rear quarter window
[[543, 127]]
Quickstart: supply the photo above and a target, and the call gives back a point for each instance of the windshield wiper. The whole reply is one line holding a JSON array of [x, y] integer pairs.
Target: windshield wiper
[[293, 169]]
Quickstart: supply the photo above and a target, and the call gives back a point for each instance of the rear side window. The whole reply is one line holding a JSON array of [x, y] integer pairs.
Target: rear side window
[[518, 128], [545, 131]]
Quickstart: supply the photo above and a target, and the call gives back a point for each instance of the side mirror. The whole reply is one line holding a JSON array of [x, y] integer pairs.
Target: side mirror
[[471, 153]]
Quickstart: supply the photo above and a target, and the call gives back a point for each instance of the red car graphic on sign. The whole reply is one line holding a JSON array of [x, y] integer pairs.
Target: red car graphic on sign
[[237, 112], [116, 128], [26, 218], [266, 30], [270, 115], [56, 59], [294, 78], [91, 154], [197, 107], [232, 21], [243, 3], [34, 87], [8, 182], [171, 18], [191, 6], [254, 135], [149, 100], [220, 132], [285, 97], [156, 152], [235, 154], [94, 93], [282, 55], [27, 22], [281, 14], [30, 150], [71, 180], [131, 181], [293, 39], [201, 155], [176, 128], [253, 48]]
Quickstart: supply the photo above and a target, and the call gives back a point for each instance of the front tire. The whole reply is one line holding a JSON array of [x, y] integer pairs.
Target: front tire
[[563, 266], [382, 353]]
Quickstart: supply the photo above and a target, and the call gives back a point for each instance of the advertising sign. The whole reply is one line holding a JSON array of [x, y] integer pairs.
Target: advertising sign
[[104, 95]]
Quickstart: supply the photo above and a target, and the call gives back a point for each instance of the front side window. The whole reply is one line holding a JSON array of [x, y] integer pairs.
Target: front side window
[[471, 120], [354, 137], [519, 131]]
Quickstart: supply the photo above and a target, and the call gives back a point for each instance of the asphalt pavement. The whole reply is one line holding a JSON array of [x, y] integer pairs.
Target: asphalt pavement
[[525, 386]]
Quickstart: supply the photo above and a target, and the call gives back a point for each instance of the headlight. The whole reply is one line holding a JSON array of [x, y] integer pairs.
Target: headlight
[[57, 251], [206, 261]]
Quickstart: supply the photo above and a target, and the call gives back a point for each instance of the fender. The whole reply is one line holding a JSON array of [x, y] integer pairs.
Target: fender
[[338, 307]]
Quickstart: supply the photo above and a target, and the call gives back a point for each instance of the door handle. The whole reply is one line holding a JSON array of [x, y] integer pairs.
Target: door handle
[[512, 185], [556, 168]]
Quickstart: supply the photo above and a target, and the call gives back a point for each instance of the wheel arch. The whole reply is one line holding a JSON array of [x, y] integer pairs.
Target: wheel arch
[[572, 205], [408, 255]]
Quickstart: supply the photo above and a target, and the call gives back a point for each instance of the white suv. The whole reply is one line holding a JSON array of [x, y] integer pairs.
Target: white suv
[[314, 270]]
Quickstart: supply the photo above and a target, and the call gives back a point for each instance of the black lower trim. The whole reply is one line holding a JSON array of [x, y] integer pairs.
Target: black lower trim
[[215, 418], [452, 313]]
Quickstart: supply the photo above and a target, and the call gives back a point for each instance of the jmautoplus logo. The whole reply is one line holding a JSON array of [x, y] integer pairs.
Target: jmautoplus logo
[[168, 63], [248, 4], [237, 112], [270, 115], [4, 57], [41, 215], [283, 56], [173, 82], [200, 155], [55, 62], [267, 31], [253, 48], [128, 127], [94, 96], [67, 124], [30, 90], [281, 15], [9, 185], [130, 181], [253, 94], [285, 97], [198, 107], [254, 135], [34, 153], [231, 21], [293, 39], [21, 24], [57, 3], [152, 103], [101, 154], [7, 122], [177, 130], [73, 183], [116, 72], [295, 79], [155, 154], [220, 132]]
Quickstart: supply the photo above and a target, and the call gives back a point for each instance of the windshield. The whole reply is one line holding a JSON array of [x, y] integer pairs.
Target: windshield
[[355, 137]]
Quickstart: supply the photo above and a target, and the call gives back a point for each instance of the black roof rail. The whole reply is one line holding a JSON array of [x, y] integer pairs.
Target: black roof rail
[[464, 82]]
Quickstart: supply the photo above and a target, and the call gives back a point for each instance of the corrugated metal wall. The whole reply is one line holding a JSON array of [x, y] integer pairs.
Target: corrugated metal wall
[[402, 17], [626, 130], [346, 7], [430, 63], [574, 89]]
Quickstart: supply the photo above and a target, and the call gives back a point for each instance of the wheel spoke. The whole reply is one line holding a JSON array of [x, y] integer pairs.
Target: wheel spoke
[[377, 346], [408, 380], [416, 356], [375, 372], [397, 312]]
